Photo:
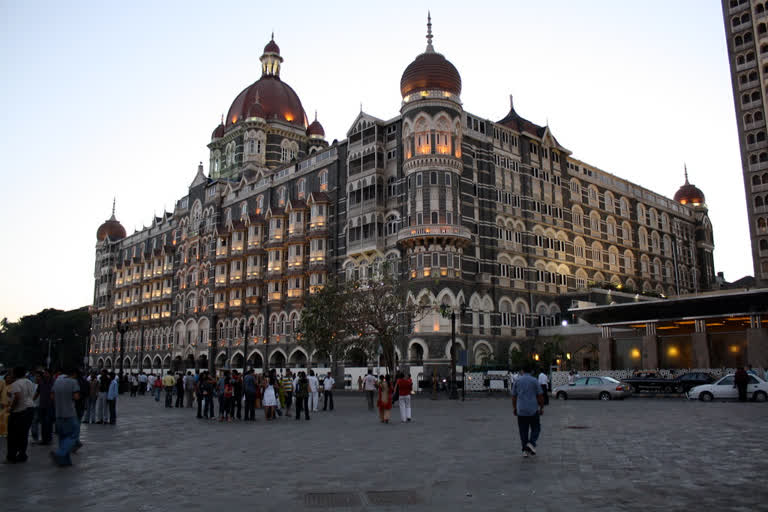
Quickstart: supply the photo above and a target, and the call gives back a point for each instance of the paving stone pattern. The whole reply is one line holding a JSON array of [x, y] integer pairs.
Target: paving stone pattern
[[621, 455]]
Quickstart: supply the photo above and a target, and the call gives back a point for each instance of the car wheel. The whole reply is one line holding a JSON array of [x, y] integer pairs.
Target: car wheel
[[760, 396], [706, 396], [605, 395], [561, 395]]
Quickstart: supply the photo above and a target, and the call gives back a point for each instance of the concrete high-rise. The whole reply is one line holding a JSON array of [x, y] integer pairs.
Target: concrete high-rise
[[746, 30]]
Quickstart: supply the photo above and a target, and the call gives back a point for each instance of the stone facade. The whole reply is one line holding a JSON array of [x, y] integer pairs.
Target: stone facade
[[497, 216]]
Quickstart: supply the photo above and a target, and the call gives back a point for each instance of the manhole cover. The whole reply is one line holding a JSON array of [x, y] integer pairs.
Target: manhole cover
[[332, 499], [577, 427], [394, 498]]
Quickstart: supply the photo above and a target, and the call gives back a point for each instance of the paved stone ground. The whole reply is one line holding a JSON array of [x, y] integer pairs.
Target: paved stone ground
[[626, 455]]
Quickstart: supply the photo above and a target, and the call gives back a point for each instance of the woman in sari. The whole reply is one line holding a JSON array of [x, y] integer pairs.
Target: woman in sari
[[385, 399]]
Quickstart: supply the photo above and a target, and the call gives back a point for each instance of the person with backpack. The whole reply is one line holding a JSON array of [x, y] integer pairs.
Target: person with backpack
[[301, 392]]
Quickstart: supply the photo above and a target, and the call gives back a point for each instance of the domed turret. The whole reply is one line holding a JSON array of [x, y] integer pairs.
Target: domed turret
[[218, 132], [111, 228], [430, 71], [269, 97], [689, 194], [315, 130]]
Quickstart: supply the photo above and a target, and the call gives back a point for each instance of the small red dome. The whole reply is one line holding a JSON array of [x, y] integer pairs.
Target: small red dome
[[218, 132], [430, 70], [112, 229], [272, 47], [689, 194], [316, 129]]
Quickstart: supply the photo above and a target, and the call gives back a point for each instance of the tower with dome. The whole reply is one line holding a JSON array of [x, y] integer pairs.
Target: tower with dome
[[496, 215]]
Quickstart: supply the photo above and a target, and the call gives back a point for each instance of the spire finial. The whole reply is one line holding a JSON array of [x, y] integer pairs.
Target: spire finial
[[315, 114], [685, 167], [273, 35], [113, 206], [429, 32], [222, 118]]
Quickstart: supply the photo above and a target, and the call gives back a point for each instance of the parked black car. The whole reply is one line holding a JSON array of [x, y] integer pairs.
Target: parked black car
[[681, 384]]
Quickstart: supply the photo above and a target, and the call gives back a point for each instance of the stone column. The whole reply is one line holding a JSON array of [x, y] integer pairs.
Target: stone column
[[700, 342], [650, 347], [605, 348], [757, 343]]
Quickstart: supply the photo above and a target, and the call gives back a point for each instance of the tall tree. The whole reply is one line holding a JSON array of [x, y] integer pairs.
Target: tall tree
[[381, 314], [324, 324]]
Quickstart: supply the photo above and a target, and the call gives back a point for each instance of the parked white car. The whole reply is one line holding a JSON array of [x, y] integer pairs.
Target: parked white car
[[724, 389]]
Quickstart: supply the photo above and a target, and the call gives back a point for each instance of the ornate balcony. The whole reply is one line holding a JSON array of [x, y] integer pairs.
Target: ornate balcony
[[418, 235]]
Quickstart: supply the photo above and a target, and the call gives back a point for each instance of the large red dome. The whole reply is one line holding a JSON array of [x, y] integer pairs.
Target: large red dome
[[278, 102], [430, 70]]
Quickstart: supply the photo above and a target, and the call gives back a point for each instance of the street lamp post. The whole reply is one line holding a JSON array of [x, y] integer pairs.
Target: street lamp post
[[453, 391], [122, 328]]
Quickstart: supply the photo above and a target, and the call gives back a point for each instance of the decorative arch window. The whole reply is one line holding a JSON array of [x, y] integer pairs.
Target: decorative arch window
[[281, 193], [259, 204], [422, 137], [302, 188], [244, 209], [324, 180], [443, 136], [640, 213]]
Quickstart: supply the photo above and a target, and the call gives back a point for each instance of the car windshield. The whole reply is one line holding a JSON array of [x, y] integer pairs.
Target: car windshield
[[610, 379]]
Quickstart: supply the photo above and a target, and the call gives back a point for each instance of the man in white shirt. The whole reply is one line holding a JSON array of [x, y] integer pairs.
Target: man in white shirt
[[21, 393], [142, 383], [314, 396], [544, 383], [369, 386], [328, 391]]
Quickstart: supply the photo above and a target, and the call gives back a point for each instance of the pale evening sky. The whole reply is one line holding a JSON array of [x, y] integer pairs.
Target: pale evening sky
[[103, 99]]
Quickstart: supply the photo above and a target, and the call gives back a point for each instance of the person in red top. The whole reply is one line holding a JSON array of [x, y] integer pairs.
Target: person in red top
[[404, 388]]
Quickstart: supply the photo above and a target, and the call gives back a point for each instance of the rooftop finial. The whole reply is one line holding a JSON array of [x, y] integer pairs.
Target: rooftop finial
[[273, 35], [113, 206], [429, 32], [315, 114], [511, 103], [685, 167]]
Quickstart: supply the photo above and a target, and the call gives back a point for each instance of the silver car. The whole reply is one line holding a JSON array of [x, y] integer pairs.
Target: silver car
[[602, 388]]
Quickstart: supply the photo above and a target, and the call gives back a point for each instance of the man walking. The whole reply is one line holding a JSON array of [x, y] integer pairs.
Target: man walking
[[314, 385], [189, 388], [528, 406], [544, 383], [101, 400], [66, 390], [93, 394], [249, 387], [112, 392], [142, 383], [741, 381], [168, 383], [45, 412], [21, 393], [179, 390], [369, 386], [287, 382], [302, 395], [404, 388], [328, 391]]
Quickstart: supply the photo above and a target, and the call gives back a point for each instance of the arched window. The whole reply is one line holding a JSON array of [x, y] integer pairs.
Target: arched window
[[302, 188], [259, 204], [324, 180]]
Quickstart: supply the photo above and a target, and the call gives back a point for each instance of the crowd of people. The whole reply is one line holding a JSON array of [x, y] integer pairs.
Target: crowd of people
[[42, 402]]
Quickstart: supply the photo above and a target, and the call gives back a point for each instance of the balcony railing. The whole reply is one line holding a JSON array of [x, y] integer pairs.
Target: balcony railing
[[434, 230]]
